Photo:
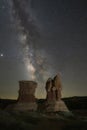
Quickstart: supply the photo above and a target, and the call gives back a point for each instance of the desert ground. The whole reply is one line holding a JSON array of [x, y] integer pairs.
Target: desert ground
[[76, 119]]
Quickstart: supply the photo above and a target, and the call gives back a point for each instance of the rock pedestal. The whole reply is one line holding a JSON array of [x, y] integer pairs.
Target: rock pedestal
[[26, 98], [27, 91], [53, 99], [56, 106]]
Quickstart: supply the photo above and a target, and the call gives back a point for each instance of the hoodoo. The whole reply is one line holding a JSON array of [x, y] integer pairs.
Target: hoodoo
[[27, 102], [26, 97], [53, 99]]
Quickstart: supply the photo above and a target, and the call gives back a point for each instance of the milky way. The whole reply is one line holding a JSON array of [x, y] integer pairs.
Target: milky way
[[38, 39], [30, 35]]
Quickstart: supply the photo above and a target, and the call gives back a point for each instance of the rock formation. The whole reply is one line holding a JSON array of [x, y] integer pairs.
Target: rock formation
[[27, 91], [53, 99], [26, 98]]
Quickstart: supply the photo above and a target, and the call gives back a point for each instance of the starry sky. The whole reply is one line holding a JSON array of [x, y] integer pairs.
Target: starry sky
[[38, 39]]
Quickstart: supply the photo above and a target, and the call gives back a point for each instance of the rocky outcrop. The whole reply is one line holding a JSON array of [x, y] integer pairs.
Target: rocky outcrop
[[26, 99], [27, 91], [27, 102], [56, 106], [53, 99]]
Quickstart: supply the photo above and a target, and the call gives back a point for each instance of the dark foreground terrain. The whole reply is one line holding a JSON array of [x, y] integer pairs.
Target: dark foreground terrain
[[40, 121], [75, 120]]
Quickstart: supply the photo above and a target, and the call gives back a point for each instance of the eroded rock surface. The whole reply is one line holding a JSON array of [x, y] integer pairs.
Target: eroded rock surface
[[53, 98], [26, 98]]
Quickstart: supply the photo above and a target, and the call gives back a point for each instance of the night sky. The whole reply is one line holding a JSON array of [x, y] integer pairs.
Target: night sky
[[38, 39]]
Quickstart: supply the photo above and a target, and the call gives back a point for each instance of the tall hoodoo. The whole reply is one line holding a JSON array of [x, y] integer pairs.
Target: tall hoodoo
[[53, 98]]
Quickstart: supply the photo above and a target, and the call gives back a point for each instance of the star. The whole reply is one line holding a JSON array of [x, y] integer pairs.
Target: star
[[1, 54]]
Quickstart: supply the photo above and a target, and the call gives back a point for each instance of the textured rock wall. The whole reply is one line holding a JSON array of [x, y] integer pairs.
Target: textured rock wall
[[26, 99], [27, 91], [53, 99]]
